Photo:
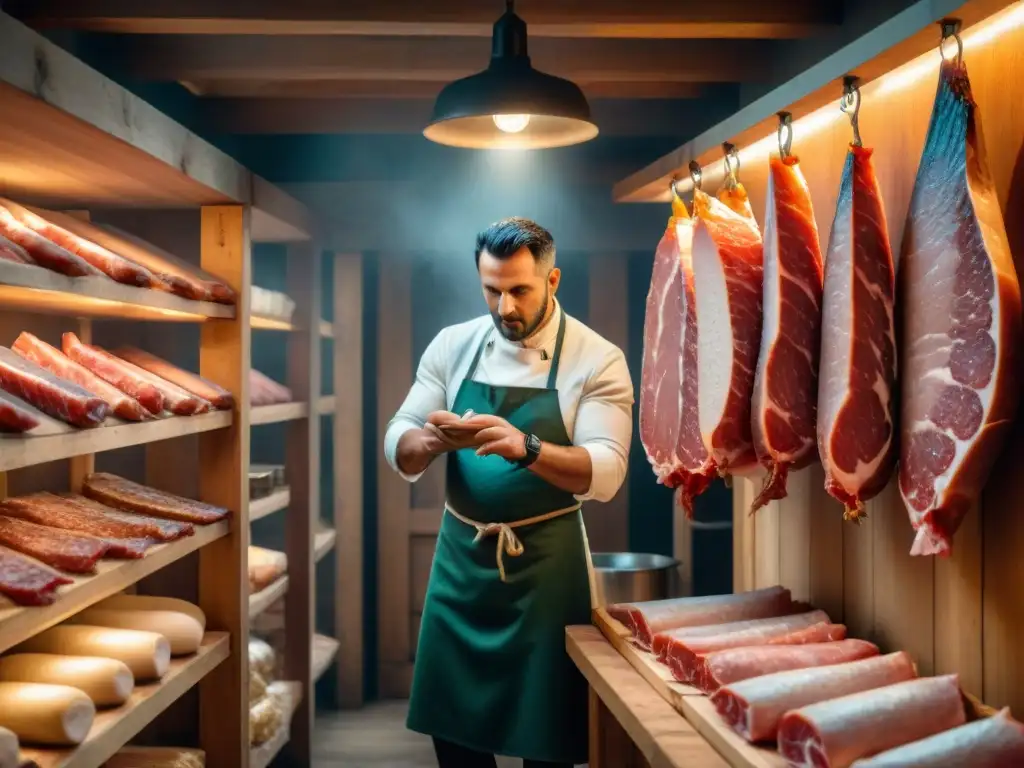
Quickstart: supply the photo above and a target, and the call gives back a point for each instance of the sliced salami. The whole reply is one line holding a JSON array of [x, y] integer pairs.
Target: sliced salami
[[27, 581], [64, 550]]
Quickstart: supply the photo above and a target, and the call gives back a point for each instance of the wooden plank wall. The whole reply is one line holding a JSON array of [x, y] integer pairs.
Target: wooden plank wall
[[958, 614]]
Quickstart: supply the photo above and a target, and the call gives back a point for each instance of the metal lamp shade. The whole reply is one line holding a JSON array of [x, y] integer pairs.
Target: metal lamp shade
[[464, 112]]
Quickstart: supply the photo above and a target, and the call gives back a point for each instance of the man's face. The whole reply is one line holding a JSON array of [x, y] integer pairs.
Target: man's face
[[518, 291]]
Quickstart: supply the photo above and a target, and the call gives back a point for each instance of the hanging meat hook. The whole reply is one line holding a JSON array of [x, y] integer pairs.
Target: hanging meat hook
[[732, 165], [785, 127], [695, 174], [850, 104], [951, 28]]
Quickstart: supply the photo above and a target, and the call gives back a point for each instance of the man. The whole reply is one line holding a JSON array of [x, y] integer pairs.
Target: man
[[534, 410]]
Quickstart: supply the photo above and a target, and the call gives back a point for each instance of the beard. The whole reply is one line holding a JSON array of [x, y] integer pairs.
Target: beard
[[526, 326]]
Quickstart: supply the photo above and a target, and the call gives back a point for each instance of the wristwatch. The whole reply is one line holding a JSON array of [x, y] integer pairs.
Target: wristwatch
[[532, 444]]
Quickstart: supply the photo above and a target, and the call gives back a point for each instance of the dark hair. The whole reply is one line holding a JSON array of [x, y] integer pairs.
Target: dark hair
[[504, 238]]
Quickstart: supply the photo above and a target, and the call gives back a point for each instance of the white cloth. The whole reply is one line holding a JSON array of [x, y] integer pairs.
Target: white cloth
[[595, 390]]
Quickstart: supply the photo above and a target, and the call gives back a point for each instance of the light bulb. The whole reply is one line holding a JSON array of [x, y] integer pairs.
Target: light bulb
[[511, 123]]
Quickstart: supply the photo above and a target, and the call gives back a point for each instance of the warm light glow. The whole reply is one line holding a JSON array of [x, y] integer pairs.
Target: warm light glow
[[271, 323], [511, 123], [894, 81]]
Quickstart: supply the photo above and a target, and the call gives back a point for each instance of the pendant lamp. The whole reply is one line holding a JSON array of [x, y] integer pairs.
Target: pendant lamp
[[510, 105]]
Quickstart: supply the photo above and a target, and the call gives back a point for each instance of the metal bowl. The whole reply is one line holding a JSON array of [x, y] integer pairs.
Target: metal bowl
[[629, 577]]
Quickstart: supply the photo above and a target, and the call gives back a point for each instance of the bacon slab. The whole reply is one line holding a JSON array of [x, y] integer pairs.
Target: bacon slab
[[53, 360], [771, 626], [59, 549], [120, 493], [114, 371], [644, 620], [42, 251], [857, 379], [753, 707], [786, 381], [154, 527], [992, 742], [52, 395], [835, 733], [728, 273], [219, 397], [26, 581], [961, 316], [731, 665]]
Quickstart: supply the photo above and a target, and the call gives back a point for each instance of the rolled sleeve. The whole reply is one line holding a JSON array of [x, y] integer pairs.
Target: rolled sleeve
[[604, 426], [427, 394]]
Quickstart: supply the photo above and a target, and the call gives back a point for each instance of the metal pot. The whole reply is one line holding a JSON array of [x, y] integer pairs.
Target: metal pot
[[629, 577]]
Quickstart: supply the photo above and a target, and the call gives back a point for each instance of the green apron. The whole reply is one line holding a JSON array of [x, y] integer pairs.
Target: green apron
[[491, 670]]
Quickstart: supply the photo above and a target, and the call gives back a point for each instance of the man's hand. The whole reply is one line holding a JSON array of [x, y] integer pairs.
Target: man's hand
[[418, 447], [498, 438]]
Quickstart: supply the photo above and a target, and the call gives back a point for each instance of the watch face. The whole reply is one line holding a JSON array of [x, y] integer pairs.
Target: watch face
[[533, 443]]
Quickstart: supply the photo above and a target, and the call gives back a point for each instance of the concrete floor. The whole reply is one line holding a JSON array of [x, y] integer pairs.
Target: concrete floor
[[374, 737]]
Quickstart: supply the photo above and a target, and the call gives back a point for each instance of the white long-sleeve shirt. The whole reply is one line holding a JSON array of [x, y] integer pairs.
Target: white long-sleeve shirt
[[594, 388]]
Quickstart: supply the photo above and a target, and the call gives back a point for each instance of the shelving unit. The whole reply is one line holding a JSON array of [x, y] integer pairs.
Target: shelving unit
[[76, 141]]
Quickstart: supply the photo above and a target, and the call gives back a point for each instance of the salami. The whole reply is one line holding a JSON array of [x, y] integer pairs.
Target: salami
[[114, 371], [154, 527], [124, 494], [42, 251], [54, 396], [14, 416], [218, 397], [27, 581], [61, 549], [52, 359]]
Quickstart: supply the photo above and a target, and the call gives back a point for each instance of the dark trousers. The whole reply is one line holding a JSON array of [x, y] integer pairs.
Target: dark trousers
[[454, 756]]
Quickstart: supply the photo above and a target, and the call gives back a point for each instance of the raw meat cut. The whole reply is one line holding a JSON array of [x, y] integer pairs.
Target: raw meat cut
[[731, 665], [644, 620], [53, 396], [114, 371], [991, 742], [961, 323], [27, 581], [120, 493], [857, 378], [59, 512], [43, 252], [219, 397], [786, 381], [109, 263], [669, 424], [15, 416], [178, 401], [753, 707], [834, 733], [60, 549], [727, 272], [263, 390], [754, 628], [11, 251], [685, 660], [56, 362], [150, 527]]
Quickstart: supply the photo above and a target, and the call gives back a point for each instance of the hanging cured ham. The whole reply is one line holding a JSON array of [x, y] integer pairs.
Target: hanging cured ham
[[857, 380], [727, 270], [786, 382], [961, 322], [669, 423]]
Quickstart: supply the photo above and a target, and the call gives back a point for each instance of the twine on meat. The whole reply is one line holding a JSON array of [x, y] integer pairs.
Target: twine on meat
[[508, 543]]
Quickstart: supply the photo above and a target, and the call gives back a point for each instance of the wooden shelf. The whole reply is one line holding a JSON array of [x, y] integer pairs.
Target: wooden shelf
[[268, 505], [326, 405], [272, 414], [263, 599], [264, 754], [263, 323], [899, 40], [114, 728], [35, 289], [18, 451], [326, 329], [20, 623], [324, 650], [324, 543]]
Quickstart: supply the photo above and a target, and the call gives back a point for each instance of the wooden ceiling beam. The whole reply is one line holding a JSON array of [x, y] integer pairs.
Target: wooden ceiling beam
[[614, 117], [418, 89], [198, 58], [450, 18]]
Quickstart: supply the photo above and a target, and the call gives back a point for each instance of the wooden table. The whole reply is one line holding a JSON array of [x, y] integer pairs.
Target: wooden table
[[631, 726]]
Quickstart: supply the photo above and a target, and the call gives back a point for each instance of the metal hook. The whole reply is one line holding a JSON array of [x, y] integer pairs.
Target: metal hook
[[850, 104], [696, 174], [785, 125], [951, 28], [672, 186], [732, 165]]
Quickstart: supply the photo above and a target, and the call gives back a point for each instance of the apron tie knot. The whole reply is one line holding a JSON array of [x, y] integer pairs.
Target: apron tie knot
[[508, 543]]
